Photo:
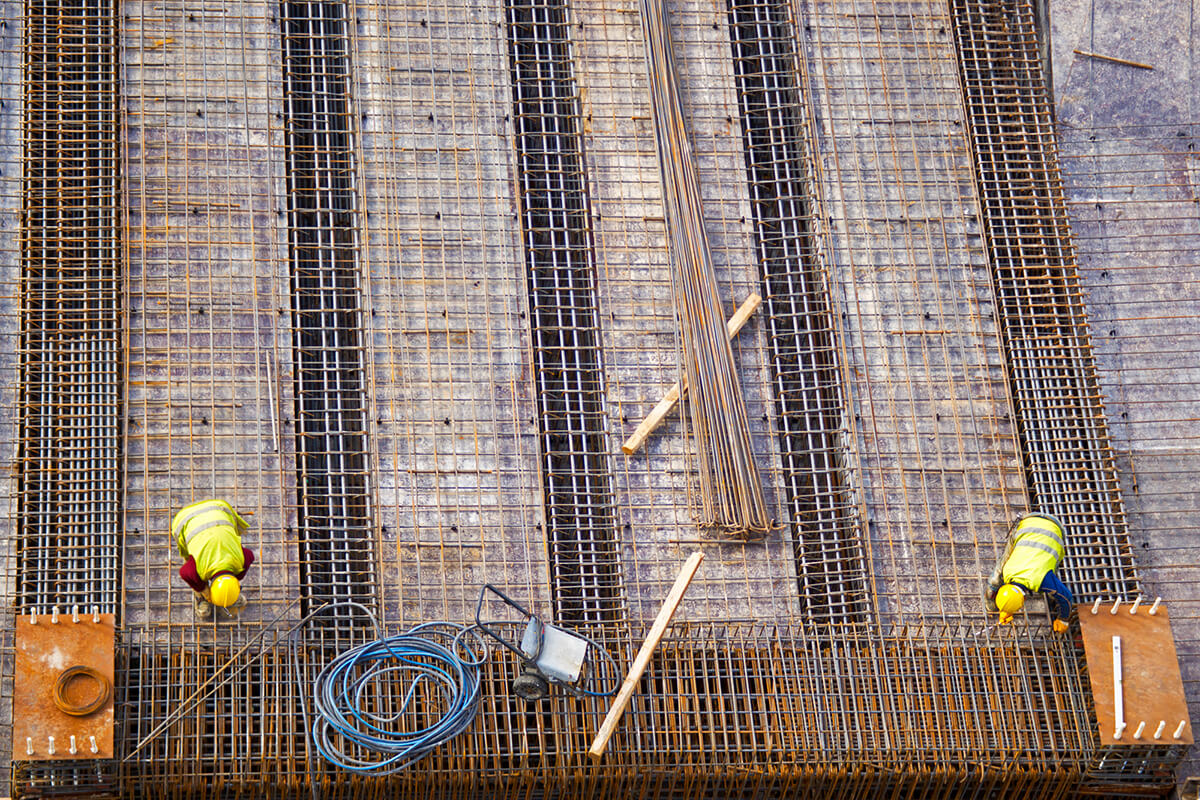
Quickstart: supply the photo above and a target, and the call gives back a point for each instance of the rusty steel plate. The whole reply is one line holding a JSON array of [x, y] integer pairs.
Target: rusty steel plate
[[44, 651], [1153, 687]]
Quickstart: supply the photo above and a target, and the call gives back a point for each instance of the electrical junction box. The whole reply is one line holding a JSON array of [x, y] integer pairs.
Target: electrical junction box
[[562, 653]]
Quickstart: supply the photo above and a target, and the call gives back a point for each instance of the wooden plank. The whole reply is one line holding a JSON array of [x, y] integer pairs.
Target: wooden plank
[[655, 418], [642, 660]]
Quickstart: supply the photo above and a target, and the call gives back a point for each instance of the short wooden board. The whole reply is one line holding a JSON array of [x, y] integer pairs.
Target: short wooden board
[[1153, 687], [44, 651]]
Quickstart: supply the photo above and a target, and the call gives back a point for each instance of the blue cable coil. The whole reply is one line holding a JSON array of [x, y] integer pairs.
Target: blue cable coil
[[351, 737]]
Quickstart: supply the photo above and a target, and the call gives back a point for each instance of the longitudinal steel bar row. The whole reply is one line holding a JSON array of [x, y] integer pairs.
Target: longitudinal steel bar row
[[336, 532], [716, 700], [1064, 433], [809, 396], [560, 267], [68, 508]]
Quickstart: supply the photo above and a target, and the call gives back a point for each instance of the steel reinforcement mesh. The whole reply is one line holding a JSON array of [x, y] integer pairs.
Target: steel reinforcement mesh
[[68, 513], [580, 517], [1056, 396], [809, 392], [336, 530], [807, 709], [374, 149]]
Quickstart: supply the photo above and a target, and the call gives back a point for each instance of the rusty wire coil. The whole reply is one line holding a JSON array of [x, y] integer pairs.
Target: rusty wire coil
[[95, 704]]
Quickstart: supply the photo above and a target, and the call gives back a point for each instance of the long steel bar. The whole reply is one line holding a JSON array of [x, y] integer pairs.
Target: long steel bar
[[730, 487]]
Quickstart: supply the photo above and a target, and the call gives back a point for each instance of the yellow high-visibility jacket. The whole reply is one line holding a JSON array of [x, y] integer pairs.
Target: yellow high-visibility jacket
[[210, 531], [1038, 549]]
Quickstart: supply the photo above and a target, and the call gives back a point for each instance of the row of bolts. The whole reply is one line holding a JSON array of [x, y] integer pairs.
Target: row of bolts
[[74, 748], [1141, 728], [1133, 610], [74, 615]]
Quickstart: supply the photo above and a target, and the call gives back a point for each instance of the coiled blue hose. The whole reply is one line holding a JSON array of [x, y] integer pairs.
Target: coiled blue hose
[[350, 736]]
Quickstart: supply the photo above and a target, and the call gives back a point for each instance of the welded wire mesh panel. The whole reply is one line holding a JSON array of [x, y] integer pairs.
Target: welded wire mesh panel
[[809, 391], [656, 486], [68, 447], [716, 699], [11, 104], [209, 372], [1132, 199], [931, 416], [1056, 397]]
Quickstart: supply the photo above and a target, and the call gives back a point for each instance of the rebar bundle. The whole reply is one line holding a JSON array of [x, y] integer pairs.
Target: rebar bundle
[[730, 489]]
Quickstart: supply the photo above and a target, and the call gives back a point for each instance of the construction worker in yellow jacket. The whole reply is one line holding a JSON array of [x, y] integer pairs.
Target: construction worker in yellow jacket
[[209, 535], [1036, 547]]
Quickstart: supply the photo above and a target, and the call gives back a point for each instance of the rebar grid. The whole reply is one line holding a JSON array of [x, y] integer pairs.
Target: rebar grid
[[914, 301], [585, 576], [809, 395], [715, 695], [209, 366], [456, 445], [336, 529], [1056, 397], [69, 491]]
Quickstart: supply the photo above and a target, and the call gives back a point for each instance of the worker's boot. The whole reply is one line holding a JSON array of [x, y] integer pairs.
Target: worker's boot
[[238, 604], [202, 607]]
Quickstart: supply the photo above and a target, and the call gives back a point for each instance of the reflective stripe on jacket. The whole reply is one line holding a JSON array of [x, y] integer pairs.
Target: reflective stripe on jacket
[[1038, 548], [210, 532]]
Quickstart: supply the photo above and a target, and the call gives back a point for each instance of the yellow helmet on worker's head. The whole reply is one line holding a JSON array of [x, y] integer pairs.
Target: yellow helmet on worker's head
[[225, 590], [1009, 600]]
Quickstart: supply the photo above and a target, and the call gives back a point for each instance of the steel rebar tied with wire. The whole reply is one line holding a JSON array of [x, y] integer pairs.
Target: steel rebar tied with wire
[[568, 370], [809, 392], [1056, 395], [69, 506], [731, 492], [336, 532]]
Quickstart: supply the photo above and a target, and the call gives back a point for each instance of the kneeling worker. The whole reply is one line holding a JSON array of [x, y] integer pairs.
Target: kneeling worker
[[1035, 549], [209, 535]]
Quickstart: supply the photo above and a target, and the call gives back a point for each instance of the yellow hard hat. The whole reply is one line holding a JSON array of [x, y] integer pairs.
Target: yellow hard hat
[[225, 590], [1009, 600]]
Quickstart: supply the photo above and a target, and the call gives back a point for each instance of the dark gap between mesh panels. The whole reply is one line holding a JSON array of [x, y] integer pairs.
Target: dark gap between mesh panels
[[68, 440], [830, 562], [1056, 396], [336, 556], [557, 238]]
